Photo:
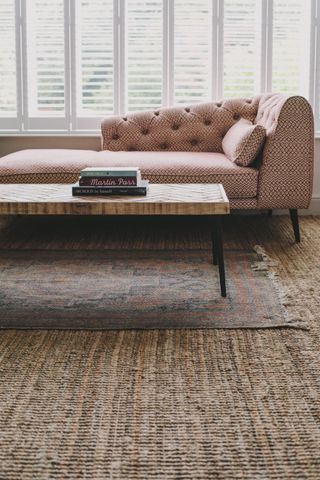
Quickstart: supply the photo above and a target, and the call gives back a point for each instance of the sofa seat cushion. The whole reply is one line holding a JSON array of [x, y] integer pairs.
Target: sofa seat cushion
[[189, 167], [64, 166], [45, 165]]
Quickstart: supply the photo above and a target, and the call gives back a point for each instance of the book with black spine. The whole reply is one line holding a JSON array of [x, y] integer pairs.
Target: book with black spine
[[141, 190]]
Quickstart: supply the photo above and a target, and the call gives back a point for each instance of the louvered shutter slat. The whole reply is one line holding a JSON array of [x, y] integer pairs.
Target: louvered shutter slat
[[95, 66], [191, 51], [242, 37], [45, 57], [291, 33], [144, 57]]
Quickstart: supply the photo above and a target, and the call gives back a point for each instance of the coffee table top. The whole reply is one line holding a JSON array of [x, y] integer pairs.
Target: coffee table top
[[162, 199]]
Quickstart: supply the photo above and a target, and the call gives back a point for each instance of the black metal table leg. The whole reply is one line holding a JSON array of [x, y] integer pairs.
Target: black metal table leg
[[218, 251], [214, 249]]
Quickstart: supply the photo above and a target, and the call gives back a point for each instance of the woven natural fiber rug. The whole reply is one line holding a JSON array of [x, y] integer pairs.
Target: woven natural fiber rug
[[168, 404], [117, 289]]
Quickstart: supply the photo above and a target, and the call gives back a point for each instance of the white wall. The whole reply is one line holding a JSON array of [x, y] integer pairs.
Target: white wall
[[12, 144], [315, 205]]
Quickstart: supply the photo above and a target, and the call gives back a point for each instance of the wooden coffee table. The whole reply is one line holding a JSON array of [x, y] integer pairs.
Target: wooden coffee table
[[162, 199]]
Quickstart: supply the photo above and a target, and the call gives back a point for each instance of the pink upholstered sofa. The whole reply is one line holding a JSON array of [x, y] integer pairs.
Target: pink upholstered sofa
[[184, 145]]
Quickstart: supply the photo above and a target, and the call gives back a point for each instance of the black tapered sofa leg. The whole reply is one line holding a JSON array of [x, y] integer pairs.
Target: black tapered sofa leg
[[295, 223], [270, 212]]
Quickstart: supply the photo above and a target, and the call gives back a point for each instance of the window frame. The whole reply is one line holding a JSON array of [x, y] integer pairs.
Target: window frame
[[314, 65], [71, 124]]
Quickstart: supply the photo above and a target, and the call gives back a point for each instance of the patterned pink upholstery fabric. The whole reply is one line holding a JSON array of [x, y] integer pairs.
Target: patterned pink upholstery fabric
[[63, 166], [198, 128], [45, 165], [286, 172], [188, 167], [243, 142], [243, 203], [286, 167]]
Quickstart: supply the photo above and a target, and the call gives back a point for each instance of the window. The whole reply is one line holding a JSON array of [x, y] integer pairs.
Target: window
[[191, 51], [65, 64], [94, 62], [291, 54], [45, 64], [144, 54], [242, 48]]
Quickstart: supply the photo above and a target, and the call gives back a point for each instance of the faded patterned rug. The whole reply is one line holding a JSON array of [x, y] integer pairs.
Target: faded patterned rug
[[50, 287]]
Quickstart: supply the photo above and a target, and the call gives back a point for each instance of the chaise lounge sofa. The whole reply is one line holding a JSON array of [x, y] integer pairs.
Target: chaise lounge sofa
[[185, 145]]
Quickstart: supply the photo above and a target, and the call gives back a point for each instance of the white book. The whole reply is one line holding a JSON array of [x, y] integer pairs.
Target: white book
[[110, 172]]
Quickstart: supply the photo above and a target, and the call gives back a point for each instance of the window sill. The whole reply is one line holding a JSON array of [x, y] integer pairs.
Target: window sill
[[51, 134]]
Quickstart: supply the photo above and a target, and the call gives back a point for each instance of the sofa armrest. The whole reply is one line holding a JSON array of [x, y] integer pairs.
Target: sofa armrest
[[286, 171]]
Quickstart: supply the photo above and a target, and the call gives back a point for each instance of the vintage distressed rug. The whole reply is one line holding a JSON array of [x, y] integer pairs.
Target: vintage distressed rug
[[189, 404], [133, 288]]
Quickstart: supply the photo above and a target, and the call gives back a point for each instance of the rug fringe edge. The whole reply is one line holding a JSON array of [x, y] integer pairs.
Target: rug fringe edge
[[269, 266]]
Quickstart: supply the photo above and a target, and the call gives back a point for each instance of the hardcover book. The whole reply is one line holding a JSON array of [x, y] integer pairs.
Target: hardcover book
[[108, 181], [141, 190], [110, 172]]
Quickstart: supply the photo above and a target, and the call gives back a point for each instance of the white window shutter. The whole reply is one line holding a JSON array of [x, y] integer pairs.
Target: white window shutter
[[291, 44], [65, 64], [94, 62], [242, 48], [8, 89], [144, 54], [192, 62], [45, 56]]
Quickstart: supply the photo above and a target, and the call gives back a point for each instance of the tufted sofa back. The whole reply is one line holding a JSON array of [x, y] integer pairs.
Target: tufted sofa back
[[196, 128]]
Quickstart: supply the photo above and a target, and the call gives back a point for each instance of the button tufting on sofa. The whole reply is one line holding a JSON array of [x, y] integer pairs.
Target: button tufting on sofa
[[207, 122], [131, 149], [124, 119], [145, 131], [236, 116], [163, 146], [187, 110], [175, 127], [157, 114], [115, 136], [194, 142]]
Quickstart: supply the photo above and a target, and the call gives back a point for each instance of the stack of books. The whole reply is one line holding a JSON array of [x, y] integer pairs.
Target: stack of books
[[110, 181]]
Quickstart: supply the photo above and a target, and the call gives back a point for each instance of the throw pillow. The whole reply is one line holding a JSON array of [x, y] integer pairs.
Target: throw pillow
[[243, 141]]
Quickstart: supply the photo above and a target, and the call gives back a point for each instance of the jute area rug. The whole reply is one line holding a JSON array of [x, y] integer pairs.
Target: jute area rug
[[171, 404], [121, 273]]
